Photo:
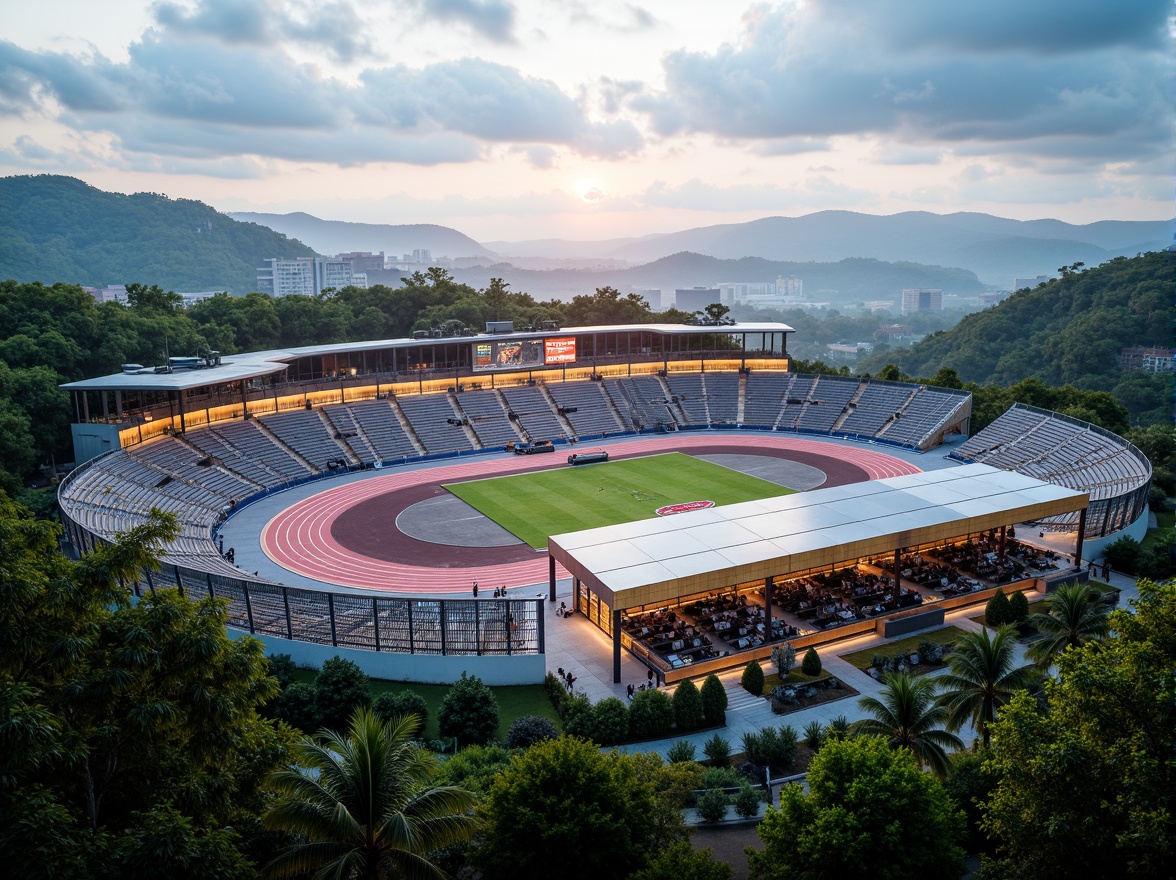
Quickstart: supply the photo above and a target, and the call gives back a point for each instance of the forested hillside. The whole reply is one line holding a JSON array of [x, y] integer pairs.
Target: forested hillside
[[1065, 332], [56, 228]]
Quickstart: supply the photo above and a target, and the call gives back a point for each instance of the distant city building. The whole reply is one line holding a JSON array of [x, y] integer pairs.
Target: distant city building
[[307, 276], [695, 299], [650, 295], [1021, 282], [790, 287], [892, 331], [420, 255], [992, 297], [880, 305], [364, 261], [849, 347], [1149, 360], [190, 298], [112, 293], [921, 299]]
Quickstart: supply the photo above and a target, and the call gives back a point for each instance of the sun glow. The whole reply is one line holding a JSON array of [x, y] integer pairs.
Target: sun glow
[[589, 191]]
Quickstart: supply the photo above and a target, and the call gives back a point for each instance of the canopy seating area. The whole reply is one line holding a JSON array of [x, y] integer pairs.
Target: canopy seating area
[[833, 555]]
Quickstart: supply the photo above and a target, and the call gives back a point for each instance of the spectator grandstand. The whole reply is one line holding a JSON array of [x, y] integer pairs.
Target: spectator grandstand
[[1068, 452]]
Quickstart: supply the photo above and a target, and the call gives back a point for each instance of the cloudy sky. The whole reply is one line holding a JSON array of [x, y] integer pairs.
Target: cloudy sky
[[512, 119]]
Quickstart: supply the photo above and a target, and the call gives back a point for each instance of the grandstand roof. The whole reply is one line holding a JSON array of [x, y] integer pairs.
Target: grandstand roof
[[252, 365], [658, 560]]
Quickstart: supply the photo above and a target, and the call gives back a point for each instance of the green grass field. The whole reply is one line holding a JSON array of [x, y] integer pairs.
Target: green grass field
[[568, 499]]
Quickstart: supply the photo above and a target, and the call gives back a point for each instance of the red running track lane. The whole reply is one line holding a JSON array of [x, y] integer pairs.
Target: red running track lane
[[300, 539]]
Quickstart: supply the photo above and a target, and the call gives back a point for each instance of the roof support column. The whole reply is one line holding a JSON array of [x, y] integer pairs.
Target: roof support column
[[550, 578], [616, 636], [1004, 530], [769, 589], [1081, 535], [183, 425], [897, 570]]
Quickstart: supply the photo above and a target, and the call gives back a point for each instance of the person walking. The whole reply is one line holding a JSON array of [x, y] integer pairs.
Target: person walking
[[475, 589]]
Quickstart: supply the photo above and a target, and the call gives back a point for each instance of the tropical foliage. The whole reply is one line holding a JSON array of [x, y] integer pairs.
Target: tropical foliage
[[908, 716], [1075, 614], [360, 805], [982, 677]]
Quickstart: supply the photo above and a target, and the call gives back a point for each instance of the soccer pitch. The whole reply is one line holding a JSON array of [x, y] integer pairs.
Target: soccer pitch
[[568, 499]]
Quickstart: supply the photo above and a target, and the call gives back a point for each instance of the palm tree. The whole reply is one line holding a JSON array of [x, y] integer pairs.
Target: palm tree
[[361, 805], [981, 678], [1075, 614], [909, 716]]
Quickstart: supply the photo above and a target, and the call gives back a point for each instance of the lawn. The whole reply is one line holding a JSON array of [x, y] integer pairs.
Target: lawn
[[863, 659], [1162, 534], [568, 499], [513, 702]]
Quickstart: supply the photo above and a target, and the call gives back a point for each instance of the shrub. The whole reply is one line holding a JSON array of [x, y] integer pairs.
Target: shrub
[[721, 777], [556, 692], [811, 665], [712, 805], [814, 735], [681, 752], [1018, 608], [395, 705], [340, 688], [753, 678], [997, 612], [837, 728], [784, 658], [296, 706], [577, 717], [931, 652], [610, 721], [651, 714], [1123, 554], [526, 730], [281, 667], [687, 706], [717, 750], [786, 741], [753, 746], [469, 712], [747, 801], [714, 700]]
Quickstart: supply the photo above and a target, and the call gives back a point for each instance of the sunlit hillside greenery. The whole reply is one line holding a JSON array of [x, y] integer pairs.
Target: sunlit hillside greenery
[[56, 228]]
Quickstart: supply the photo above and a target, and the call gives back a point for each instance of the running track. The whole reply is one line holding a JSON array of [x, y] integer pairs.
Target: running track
[[301, 537]]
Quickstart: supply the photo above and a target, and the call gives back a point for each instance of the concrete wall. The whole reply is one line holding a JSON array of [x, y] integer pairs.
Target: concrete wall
[[419, 668], [92, 439]]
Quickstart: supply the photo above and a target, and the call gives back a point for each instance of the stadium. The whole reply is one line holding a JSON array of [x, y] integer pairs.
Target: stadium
[[384, 500]]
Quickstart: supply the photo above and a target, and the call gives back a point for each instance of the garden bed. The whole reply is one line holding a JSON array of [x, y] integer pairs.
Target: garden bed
[[945, 638]]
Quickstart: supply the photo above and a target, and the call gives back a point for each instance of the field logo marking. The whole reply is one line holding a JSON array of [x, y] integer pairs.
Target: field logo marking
[[684, 507]]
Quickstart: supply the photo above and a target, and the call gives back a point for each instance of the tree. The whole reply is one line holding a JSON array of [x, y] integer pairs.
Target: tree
[[296, 706], [340, 688], [997, 611], [681, 861], [714, 700], [907, 716], [811, 664], [360, 804], [784, 658], [858, 820], [687, 701], [753, 678], [469, 712], [1074, 614], [1018, 607], [124, 724], [558, 803], [981, 679], [1084, 779]]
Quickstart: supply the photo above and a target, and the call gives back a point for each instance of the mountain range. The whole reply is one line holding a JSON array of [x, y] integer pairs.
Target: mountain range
[[339, 236], [995, 248]]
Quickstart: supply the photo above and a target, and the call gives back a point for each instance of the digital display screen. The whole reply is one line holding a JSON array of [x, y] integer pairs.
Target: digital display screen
[[508, 354], [560, 351]]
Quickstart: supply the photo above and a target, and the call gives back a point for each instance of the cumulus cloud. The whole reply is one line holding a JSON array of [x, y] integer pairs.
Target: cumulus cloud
[[492, 19], [194, 96], [925, 71], [333, 26]]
